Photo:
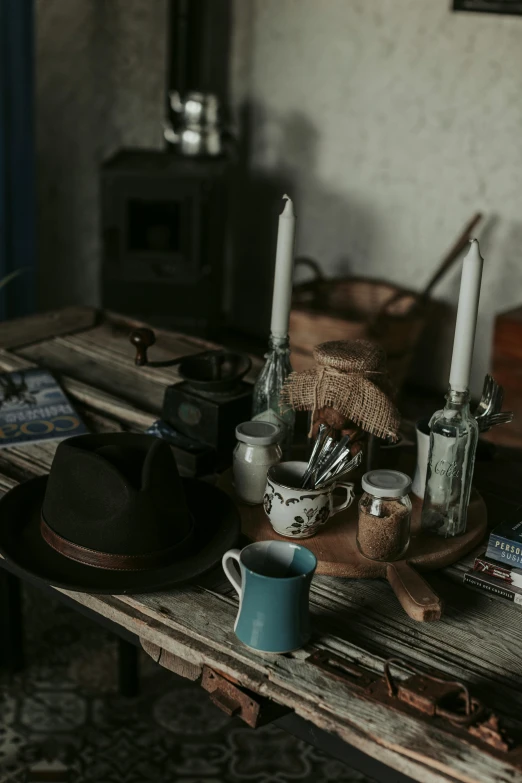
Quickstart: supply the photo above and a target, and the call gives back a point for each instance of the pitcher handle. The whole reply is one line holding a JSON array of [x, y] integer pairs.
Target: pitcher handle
[[232, 554], [348, 486]]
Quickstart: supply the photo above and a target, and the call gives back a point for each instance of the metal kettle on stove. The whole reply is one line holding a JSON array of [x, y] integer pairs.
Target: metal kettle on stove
[[195, 128]]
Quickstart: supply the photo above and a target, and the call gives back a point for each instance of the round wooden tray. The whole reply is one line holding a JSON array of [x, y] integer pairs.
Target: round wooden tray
[[335, 547]]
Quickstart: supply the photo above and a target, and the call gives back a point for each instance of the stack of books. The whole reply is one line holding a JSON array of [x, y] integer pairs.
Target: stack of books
[[499, 569]]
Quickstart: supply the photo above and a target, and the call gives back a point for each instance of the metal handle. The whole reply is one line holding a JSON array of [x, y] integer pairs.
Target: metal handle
[[142, 339]]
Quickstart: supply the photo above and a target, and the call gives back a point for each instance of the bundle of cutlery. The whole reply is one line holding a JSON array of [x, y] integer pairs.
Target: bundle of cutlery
[[330, 459], [489, 410]]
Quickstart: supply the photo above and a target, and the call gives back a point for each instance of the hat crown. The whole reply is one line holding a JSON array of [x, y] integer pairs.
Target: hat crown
[[117, 493]]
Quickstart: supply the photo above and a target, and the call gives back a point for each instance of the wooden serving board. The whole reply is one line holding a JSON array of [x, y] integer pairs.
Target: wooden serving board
[[337, 554], [335, 547]]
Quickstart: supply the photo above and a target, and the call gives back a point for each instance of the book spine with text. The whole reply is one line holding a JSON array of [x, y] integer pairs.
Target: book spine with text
[[492, 585]]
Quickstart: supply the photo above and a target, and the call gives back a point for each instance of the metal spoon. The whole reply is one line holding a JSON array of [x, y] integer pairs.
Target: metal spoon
[[491, 400], [321, 435], [342, 470], [331, 465], [322, 460]]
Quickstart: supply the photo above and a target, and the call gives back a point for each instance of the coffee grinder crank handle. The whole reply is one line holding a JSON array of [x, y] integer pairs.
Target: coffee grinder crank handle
[[142, 339]]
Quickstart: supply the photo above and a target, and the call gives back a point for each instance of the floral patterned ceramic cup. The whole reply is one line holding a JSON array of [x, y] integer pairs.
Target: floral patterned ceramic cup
[[295, 512]]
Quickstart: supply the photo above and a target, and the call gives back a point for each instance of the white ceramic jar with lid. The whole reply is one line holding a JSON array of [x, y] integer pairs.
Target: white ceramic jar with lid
[[256, 451], [383, 527]]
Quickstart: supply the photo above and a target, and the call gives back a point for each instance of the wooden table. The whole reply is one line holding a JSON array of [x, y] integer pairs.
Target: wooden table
[[478, 641]]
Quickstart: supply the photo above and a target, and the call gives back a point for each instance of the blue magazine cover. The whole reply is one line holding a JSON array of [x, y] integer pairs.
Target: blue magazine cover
[[34, 408]]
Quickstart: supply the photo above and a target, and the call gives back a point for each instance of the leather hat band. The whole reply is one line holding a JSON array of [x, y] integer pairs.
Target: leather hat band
[[97, 559]]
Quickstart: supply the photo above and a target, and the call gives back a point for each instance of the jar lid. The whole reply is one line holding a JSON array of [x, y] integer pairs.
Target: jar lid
[[258, 433], [386, 483]]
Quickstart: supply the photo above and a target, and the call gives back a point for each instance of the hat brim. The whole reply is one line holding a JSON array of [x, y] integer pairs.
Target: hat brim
[[217, 527]]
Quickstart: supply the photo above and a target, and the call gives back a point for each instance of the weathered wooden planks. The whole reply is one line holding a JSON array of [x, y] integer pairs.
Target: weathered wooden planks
[[35, 328], [363, 615], [181, 667], [397, 740], [106, 372], [207, 620]]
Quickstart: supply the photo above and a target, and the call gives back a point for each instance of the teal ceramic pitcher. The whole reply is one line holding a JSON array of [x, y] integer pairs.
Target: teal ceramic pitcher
[[273, 585]]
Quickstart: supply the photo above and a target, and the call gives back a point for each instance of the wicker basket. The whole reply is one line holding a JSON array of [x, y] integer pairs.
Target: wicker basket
[[350, 308]]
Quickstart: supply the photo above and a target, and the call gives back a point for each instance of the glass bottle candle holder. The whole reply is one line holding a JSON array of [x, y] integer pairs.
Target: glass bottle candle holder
[[267, 390], [453, 443]]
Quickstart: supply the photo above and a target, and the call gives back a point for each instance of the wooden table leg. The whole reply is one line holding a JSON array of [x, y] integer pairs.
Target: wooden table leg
[[11, 622], [128, 669]]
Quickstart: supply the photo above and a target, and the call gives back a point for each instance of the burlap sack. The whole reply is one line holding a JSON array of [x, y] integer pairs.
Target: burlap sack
[[350, 377]]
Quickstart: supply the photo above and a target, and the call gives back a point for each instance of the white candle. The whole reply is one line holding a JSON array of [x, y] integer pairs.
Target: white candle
[[284, 269], [466, 318]]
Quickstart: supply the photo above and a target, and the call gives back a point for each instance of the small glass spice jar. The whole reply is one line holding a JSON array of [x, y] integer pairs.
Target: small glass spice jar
[[383, 527], [257, 450]]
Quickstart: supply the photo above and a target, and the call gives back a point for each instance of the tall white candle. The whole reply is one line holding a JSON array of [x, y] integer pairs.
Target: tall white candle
[[284, 269], [466, 318]]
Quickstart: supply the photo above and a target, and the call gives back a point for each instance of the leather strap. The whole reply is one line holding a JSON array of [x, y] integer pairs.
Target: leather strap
[[109, 561]]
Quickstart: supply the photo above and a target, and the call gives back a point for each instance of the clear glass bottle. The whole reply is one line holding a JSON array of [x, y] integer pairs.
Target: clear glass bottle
[[453, 442], [267, 390]]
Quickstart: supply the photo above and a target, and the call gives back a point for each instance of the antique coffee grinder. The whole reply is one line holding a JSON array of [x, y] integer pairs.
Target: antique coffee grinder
[[212, 398]]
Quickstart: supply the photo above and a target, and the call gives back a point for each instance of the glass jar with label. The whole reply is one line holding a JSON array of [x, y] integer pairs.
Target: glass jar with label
[[383, 527], [257, 450]]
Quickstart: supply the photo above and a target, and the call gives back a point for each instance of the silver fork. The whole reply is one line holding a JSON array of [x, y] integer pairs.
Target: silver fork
[[485, 423]]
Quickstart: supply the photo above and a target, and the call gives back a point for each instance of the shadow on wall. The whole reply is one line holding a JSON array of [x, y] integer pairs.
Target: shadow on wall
[[284, 161], [430, 367], [100, 87], [74, 104], [279, 154]]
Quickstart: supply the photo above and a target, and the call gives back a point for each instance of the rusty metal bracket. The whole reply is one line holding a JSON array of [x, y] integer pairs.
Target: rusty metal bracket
[[239, 702], [492, 733], [343, 670], [433, 695], [427, 693]]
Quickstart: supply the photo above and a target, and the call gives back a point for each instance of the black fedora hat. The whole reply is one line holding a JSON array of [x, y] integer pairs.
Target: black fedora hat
[[114, 516]]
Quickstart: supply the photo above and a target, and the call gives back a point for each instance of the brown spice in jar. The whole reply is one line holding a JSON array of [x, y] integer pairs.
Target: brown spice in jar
[[382, 538]]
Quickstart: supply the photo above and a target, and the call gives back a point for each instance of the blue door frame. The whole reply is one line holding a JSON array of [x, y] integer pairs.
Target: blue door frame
[[17, 187]]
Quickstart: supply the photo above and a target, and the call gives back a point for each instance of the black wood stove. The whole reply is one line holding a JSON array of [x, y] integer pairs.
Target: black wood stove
[[164, 215], [164, 227]]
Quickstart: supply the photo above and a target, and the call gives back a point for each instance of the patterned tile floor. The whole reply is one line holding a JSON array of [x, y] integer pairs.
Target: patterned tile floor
[[64, 706]]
